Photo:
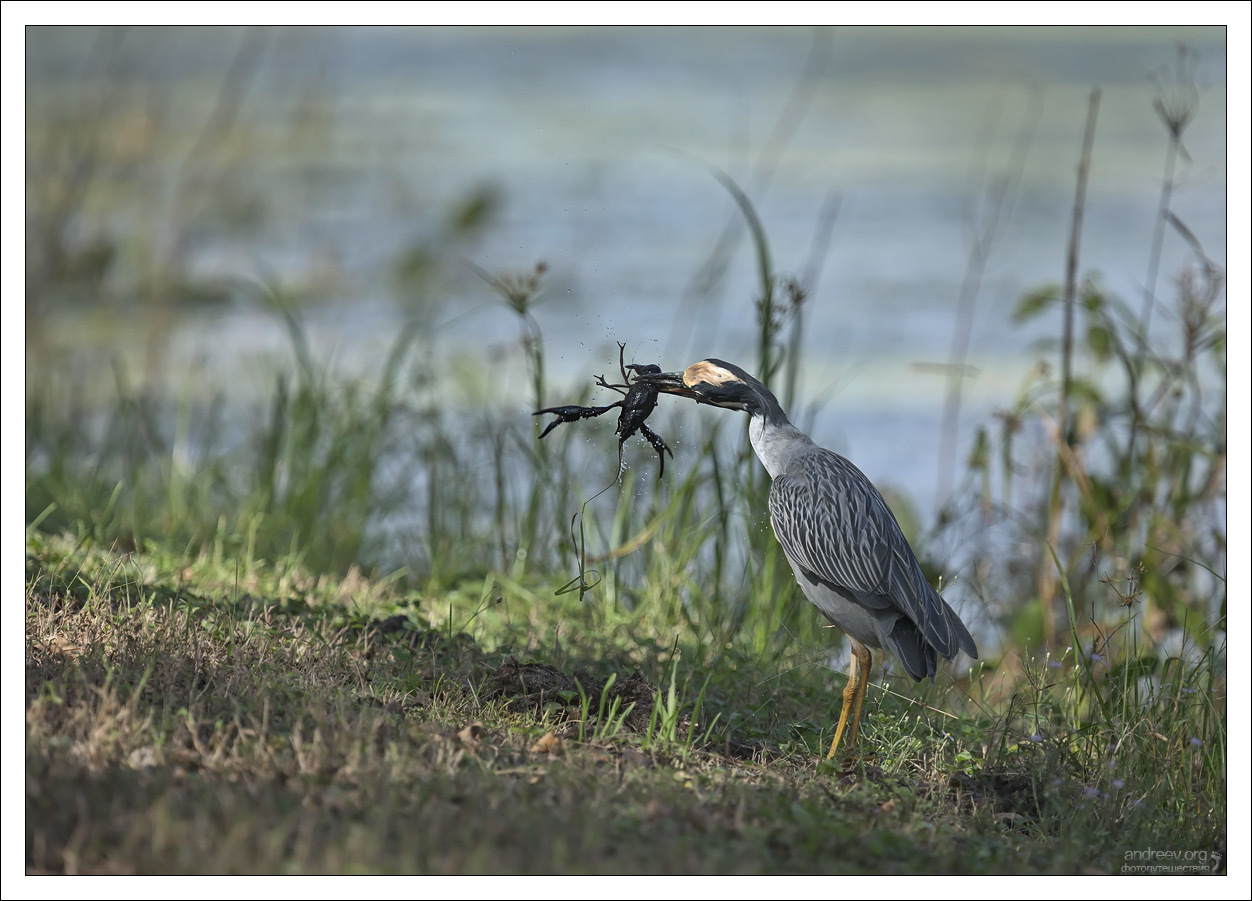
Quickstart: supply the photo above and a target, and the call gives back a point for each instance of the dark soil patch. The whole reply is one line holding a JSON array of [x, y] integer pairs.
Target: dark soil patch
[[536, 685]]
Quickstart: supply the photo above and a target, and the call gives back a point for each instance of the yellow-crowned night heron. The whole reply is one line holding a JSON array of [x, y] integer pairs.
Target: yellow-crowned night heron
[[841, 538]]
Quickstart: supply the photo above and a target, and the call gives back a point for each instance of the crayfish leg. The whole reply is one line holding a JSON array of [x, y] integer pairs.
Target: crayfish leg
[[659, 445]]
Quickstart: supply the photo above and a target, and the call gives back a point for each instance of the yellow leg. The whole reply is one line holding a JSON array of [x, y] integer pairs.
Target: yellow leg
[[853, 695], [865, 661], [849, 702]]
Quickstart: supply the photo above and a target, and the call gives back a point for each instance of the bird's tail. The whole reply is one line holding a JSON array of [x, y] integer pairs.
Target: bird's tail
[[964, 640], [917, 655]]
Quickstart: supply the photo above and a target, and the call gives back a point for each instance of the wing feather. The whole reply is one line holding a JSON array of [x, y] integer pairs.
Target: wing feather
[[833, 522]]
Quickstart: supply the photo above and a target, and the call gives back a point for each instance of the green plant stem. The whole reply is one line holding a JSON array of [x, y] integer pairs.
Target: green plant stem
[[1047, 581]]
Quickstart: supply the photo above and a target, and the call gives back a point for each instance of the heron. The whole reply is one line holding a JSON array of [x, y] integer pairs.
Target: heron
[[845, 547]]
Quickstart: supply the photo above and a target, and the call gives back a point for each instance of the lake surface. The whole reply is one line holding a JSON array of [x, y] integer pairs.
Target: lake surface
[[596, 146]]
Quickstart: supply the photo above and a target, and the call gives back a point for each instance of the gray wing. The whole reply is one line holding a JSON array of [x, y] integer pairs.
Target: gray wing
[[834, 524]]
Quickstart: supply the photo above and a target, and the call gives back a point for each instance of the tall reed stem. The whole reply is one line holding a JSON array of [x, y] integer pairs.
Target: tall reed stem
[[1047, 571]]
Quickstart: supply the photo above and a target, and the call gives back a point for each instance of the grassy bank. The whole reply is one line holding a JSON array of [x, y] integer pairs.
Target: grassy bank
[[187, 715]]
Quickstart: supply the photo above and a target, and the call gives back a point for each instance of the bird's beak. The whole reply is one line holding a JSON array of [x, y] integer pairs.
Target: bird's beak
[[667, 382]]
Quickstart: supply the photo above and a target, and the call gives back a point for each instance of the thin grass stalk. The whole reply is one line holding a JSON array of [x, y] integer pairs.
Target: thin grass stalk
[[808, 288], [998, 199], [1047, 580], [1176, 113]]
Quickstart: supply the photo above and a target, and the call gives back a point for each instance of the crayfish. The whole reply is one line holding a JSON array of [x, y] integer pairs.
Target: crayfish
[[637, 403]]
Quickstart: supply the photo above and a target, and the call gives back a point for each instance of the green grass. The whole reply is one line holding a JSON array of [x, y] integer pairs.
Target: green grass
[[190, 716]]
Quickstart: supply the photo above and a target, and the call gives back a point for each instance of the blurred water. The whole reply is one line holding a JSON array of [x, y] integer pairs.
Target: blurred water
[[592, 138]]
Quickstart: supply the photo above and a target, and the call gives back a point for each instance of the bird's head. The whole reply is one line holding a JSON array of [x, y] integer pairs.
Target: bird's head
[[718, 383]]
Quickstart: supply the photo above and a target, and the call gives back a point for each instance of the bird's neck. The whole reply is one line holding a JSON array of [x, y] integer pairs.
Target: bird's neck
[[776, 441]]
